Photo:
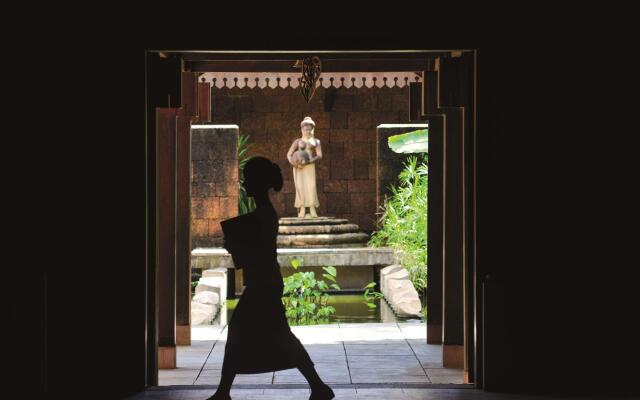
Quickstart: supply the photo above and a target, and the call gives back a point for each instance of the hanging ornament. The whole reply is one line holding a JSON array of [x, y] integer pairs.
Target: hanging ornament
[[311, 68]]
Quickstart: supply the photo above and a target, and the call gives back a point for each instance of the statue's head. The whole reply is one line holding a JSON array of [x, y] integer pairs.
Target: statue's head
[[307, 126]]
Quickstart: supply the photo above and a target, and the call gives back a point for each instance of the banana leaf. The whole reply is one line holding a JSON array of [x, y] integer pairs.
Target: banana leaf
[[410, 142]]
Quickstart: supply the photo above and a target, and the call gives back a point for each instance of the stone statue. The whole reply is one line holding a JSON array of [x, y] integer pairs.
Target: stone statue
[[301, 156]]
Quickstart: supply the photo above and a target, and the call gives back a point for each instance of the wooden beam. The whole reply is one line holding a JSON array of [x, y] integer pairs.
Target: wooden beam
[[328, 65], [242, 56]]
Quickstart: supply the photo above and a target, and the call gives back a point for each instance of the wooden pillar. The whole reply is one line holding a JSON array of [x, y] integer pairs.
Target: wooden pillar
[[435, 230], [204, 101], [415, 102], [456, 87], [162, 76], [429, 92], [435, 205], [183, 231], [165, 184], [194, 101], [453, 287]]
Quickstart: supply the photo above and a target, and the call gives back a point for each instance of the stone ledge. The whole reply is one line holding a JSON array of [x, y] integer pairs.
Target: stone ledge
[[216, 257]]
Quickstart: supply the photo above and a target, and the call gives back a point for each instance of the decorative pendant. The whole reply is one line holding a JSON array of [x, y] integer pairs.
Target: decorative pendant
[[311, 69]]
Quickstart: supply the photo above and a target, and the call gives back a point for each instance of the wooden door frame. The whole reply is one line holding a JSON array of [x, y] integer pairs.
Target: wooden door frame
[[473, 295]]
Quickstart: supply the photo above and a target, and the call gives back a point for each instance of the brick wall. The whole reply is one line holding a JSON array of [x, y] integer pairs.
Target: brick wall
[[214, 183], [346, 121]]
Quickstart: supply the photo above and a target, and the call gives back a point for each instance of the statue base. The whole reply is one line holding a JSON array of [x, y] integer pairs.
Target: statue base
[[319, 232]]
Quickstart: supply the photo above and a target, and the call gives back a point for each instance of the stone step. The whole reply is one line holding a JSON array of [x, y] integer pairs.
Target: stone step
[[321, 239], [311, 229], [219, 272], [312, 221], [334, 245]]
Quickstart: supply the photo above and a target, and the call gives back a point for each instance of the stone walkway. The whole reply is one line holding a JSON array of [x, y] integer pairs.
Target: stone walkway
[[350, 357], [198, 393]]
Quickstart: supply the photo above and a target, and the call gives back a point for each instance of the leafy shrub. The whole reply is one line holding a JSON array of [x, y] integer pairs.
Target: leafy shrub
[[305, 298], [370, 294], [403, 224]]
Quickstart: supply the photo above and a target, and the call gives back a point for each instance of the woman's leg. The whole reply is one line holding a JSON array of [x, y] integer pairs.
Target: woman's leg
[[311, 375], [319, 389], [226, 380]]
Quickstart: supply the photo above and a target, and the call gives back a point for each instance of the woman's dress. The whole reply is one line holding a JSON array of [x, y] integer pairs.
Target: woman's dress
[[305, 179], [259, 338]]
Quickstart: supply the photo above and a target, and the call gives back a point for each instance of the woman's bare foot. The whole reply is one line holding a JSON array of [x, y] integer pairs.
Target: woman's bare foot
[[301, 213], [219, 396], [312, 211], [322, 393]]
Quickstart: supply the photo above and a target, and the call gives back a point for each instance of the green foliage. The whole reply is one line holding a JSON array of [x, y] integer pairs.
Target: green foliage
[[246, 204], [403, 224], [305, 298], [370, 294], [193, 287], [410, 142]]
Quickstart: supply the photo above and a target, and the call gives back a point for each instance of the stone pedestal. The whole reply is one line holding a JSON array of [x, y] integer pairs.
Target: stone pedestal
[[319, 232]]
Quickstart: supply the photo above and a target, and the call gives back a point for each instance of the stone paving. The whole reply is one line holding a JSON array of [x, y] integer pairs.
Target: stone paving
[[346, 355], [200, 393]]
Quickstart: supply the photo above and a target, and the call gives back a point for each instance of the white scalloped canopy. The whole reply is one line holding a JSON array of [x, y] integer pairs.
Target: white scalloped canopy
[[327, 79]]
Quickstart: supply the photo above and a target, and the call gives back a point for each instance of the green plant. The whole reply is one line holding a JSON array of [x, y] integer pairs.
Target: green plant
[[410, 142], [246, 204], [305, 298], [193, 287], [370, 294], [403, 223]]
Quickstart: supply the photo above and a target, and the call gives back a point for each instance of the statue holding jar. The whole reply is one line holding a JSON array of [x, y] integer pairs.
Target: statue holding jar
[[304, 152]]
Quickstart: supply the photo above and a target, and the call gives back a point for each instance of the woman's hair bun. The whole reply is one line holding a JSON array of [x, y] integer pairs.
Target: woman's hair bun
[[276, 177]]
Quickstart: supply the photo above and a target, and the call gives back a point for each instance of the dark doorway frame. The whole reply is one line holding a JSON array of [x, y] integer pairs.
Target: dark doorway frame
[[472, 305]]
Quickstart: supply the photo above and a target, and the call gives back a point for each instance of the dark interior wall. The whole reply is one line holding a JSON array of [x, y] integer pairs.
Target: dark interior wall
[[553, 170], [559, 289]]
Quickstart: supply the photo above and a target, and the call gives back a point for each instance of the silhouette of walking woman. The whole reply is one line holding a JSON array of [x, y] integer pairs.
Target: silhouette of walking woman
[[259, 338]]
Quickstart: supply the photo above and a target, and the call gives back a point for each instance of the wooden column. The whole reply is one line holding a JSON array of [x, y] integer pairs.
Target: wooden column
[[183, 231], [415, 102], [456, 91], [165, 184], [194, 101], [163, 77], [435, 228], [453, 288], [204, 101]]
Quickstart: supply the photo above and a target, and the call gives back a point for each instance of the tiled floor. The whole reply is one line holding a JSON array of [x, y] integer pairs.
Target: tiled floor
[[197, 393], [344, 354]]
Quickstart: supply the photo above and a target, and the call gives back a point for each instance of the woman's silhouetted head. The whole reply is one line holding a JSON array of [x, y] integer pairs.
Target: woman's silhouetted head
[[260, 174]]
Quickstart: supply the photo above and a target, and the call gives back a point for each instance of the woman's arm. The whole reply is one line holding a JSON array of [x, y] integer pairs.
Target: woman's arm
[[244, 254]]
